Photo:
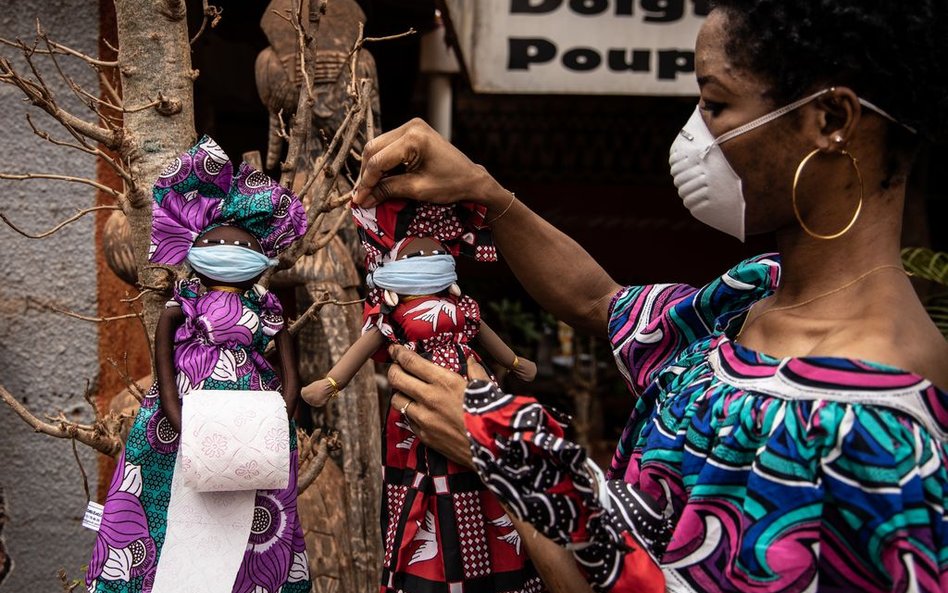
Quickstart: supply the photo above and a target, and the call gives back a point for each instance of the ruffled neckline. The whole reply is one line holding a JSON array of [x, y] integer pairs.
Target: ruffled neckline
[[831, 378]]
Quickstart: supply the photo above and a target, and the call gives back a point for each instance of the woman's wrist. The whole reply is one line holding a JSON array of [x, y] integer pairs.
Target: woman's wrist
[[488, 192]]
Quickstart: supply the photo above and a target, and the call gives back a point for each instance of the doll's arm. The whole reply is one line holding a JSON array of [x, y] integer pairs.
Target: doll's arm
[[319, 392], [290, 373], [521, 367], [168, 322]]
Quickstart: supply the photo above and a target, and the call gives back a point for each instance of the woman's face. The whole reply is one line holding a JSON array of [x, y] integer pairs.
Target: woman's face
[[764, 158]]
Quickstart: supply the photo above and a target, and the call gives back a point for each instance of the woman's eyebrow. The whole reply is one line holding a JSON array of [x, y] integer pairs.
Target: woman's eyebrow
[[711, 79]]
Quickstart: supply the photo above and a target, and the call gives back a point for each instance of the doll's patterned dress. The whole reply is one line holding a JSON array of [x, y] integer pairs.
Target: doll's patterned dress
[[443, 532], [218, 346]]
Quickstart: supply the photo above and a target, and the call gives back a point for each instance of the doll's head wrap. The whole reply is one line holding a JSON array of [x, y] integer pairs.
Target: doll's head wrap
[[459, 227], [198, 191]]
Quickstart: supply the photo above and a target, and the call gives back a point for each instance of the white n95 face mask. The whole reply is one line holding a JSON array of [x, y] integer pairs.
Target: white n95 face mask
[[707, 184]]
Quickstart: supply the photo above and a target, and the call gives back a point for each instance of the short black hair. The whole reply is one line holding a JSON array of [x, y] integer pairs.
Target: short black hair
[[894, 54]]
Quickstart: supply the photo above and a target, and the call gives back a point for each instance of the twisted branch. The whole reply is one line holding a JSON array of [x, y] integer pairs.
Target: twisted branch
[[314, 452], [211, 12]]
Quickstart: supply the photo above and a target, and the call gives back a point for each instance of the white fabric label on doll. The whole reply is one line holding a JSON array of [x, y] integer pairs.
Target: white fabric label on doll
[[93, 517], [234, 440]]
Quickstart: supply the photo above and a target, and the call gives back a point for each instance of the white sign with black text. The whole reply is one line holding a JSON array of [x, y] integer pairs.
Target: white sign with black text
[[633, 47]]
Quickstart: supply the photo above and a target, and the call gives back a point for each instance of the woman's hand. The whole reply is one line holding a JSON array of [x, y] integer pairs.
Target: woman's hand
[[415, 162], [434, 397]]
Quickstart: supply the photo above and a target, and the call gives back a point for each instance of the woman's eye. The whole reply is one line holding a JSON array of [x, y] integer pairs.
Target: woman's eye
[[712, 107]]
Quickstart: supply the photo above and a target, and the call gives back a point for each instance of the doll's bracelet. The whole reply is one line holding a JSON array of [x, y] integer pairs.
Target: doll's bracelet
[[335, 387], [516, 362]]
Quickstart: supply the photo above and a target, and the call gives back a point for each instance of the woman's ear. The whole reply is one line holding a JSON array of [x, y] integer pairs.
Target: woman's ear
[[838, 114]]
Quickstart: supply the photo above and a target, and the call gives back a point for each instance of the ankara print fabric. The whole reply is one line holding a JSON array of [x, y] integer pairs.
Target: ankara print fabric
[[218, 346], [439, 327], [199, 191], [780, 475], [521, 455], [442, 531]]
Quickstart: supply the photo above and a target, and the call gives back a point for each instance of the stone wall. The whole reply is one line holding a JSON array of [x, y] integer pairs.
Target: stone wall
[[46, 358]]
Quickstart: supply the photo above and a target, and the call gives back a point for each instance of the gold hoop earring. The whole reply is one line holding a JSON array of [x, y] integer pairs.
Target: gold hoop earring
[[796, 209]]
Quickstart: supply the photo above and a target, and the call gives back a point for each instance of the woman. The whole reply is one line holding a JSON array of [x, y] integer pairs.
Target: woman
[[791, 416]]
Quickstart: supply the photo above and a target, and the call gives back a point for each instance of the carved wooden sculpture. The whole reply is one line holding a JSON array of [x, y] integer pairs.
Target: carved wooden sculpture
[[353, 543]]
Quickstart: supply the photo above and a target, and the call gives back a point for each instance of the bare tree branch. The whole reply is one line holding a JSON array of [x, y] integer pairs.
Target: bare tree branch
[[333, 229], [110, 88], [102, 435], [85, 147], [314, 309], [302, 121], [308, 315], [78, 215], [55, 177], [82, 470], [138, 296], [133, 387], [51, 307], [211, 12], [281, 131], [86, 97], [39, 95], [63, 50]]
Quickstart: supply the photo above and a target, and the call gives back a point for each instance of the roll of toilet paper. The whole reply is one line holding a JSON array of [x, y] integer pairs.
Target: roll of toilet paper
[[234, 440]]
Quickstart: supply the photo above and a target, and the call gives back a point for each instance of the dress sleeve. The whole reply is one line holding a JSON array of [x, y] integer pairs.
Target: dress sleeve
[[650, 325]]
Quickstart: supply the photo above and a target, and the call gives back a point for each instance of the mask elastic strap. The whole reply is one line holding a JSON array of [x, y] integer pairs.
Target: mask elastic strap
[[768, 118], [882, 112], [796, 105]]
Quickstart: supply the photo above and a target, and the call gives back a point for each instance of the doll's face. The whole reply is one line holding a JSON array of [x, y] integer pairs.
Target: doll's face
[[421, 246], [230, 235], [227, 235]]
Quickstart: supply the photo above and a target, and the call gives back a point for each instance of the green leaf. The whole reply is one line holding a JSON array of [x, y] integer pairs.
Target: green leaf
[[927, 264], [938, 310]]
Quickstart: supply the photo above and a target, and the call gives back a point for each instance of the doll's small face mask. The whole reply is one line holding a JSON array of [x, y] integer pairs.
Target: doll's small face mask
[[227, 254], [429, 274]]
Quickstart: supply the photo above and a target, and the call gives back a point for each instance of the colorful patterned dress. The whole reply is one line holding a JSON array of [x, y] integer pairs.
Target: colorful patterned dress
[[779, 475], [443, 532], [218, 346]]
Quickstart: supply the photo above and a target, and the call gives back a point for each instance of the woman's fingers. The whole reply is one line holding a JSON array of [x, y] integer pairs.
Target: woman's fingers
[[406, 185], [381, 141], [400, 400], [369, 191], [402, 146], [403, 382], [415, 365]]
